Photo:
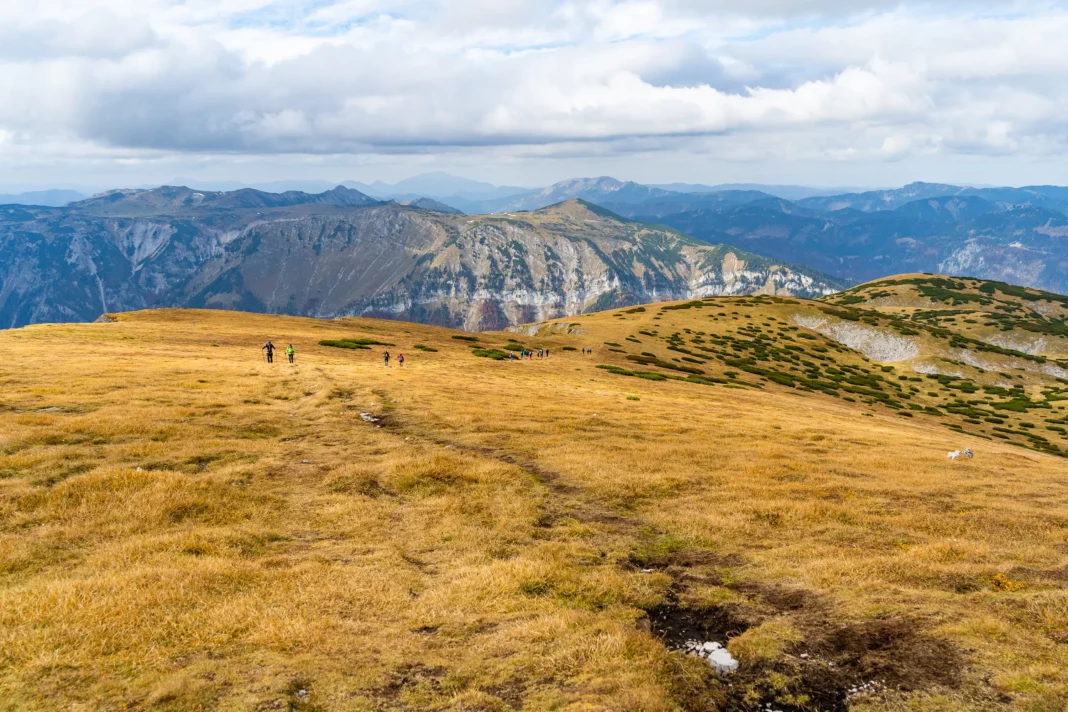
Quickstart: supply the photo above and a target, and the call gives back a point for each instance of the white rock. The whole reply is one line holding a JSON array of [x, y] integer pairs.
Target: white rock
[[872, 342]]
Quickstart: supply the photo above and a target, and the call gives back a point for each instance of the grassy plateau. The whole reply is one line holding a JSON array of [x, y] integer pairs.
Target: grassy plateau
[[186, 527]]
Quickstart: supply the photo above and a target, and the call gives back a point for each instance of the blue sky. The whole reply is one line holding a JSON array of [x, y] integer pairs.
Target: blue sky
[[106, 93]]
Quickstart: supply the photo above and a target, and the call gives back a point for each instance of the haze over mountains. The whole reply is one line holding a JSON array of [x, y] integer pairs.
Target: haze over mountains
[[404, 249]]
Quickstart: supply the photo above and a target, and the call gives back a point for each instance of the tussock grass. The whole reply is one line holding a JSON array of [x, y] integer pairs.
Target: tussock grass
[[188, 527]]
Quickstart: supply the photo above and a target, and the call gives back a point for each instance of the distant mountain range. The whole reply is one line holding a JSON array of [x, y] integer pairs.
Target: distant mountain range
[[1016, 235], [52, 198], [341, 252], [790, 192]]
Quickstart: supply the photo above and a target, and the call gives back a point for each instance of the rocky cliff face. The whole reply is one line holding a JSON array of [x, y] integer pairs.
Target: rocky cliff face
[[338, 257]]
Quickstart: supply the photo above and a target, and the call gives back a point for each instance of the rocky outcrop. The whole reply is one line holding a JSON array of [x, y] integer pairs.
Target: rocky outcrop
[[324, 259], [874, 343]]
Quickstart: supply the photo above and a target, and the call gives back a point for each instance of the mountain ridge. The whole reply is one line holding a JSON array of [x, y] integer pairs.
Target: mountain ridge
[[318, 256]]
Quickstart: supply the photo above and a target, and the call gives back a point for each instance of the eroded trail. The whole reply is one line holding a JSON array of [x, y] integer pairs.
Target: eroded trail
[[823, 663]]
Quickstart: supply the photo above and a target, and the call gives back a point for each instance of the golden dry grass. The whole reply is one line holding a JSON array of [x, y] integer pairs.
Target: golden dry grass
[[183, 526]]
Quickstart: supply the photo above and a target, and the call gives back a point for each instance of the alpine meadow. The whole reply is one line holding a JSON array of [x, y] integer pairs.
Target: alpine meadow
[[185, 526]]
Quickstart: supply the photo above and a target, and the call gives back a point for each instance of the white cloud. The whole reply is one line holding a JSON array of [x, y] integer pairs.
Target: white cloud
[[808, 82]]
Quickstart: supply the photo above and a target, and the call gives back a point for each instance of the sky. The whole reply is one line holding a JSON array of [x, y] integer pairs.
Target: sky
[[113, 93]]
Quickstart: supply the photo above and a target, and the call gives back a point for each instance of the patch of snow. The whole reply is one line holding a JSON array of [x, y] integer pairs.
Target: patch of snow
[[873, 343], [716, 655]]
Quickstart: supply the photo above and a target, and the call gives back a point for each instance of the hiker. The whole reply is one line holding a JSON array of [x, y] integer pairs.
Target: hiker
[[269, 348], [400, 360], [546, 353], [290, 352], [385, 359]]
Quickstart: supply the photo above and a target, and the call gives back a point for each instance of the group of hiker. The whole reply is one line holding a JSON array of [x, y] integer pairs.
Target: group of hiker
[[269, 349], [528, 354]]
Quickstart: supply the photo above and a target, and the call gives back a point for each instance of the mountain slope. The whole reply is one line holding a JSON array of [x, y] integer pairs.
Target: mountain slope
[[318, 256], [169, 200], [52, 198], [1049, 197], [186, 527], [429, 204], [602, 191], [961, 234]]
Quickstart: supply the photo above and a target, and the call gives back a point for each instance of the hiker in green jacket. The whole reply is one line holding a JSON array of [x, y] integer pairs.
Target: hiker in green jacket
[[290, 352]]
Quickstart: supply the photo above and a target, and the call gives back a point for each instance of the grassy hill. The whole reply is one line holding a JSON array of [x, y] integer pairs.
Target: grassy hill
[[183, 526]]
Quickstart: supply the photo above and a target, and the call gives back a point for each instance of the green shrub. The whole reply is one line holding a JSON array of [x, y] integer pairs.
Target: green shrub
[[495, 354], [428, 349], [343, 344], [353, 343]]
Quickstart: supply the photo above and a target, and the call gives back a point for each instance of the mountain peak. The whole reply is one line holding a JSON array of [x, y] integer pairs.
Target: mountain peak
[[579, 208]]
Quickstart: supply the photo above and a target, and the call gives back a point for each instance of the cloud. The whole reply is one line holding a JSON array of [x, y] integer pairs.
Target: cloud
[[822, 80]]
